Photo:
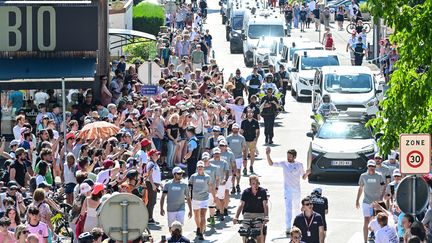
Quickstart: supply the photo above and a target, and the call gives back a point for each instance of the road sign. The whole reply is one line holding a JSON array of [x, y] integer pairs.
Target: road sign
[[415, 153], [123, 217], [149, 72], [149, 89], [412, 195]]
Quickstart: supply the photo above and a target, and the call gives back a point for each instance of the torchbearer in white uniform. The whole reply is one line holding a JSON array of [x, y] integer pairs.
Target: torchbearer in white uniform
[[292, 171]]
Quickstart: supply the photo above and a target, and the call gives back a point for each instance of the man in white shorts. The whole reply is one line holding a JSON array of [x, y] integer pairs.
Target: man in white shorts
[[373, 186], [223, 174], [199, 182], [212, 171], [176, 191], [237, 144], [228, 156]]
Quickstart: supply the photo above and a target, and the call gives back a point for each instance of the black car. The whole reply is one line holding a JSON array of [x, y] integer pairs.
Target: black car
[[233, 30]]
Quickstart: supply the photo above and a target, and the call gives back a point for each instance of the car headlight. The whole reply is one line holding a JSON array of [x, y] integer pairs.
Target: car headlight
[[368, 149], [372, 102], [304, 81], [316, 149]]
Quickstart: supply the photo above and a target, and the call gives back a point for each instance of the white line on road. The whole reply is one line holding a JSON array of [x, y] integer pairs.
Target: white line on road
[[345, 220]]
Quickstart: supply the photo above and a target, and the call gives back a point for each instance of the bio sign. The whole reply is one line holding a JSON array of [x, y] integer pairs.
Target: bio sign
[[48, 28]]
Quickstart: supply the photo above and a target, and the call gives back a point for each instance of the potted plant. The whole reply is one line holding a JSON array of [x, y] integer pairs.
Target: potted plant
[[365, 10]]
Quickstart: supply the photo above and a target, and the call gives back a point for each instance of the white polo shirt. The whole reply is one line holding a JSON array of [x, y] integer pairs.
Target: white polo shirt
[[293, 172]]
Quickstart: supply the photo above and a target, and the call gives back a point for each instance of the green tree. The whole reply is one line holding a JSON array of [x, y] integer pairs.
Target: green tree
[[148, 17], [408, 106], [142, 51]]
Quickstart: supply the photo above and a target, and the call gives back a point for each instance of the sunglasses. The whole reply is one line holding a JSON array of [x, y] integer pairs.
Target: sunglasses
[[179, 173], [306, 204], [25, 231]]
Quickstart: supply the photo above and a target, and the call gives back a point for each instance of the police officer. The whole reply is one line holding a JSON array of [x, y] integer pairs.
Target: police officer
[[191, 157], [269, 83], [269, 107], [320, 204], [254, 80], [239, 84], [284, 77], [360, 50]]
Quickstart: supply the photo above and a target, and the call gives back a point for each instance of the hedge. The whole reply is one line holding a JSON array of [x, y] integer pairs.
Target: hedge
[[141, 51], [148, 17]]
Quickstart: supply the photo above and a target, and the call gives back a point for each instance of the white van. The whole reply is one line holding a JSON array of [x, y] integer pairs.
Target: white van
[[267, 23], [348, 86], [305, 64]]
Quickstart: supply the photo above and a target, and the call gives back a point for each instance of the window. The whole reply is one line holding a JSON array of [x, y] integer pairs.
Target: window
[[237, 23], [257, 31], [348, 83], [344, 130], [309, 63]]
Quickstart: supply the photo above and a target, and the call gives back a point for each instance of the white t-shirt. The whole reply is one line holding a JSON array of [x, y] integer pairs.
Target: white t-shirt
[[373, 224], [238, 111], [40, 97], [312, 5], [39, 180], [292, 174], [386, 234], [156, 175]]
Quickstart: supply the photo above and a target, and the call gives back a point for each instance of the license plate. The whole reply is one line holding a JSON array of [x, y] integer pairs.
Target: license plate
[[341, 163]]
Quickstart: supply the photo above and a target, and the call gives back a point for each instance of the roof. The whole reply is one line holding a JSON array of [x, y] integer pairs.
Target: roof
[[316, 53], [123, 32], [346, 69]]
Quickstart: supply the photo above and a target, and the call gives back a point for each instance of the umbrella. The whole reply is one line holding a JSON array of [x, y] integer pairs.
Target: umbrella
[[99, 129]]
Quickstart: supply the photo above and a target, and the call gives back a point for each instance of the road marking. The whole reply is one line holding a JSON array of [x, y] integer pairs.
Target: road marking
[[228, 236], [357, 237], [345, 220]]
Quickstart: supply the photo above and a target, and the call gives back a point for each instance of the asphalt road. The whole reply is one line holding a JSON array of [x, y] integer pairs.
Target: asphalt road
[[344, 220]]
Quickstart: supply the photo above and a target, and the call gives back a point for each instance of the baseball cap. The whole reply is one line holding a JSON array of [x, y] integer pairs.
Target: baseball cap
[[220, 138], [235, 125], [222, 143], [200, 163], [177, 170], [145, 142], [98, 187], [176, 225], [11, 184], [377, 155], [205, 155], [371, 162], [396, 172], [128, 120], [153, 151], [216, 151], [108, 163], [70, 136], [392, 155], [216, 129], [14, 142], [85, 188]]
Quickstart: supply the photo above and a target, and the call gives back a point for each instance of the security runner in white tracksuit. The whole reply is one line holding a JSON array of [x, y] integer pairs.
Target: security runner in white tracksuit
[[292, 171]]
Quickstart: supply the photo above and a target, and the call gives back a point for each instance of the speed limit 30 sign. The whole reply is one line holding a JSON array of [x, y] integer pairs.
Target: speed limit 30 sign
[[415, 153]]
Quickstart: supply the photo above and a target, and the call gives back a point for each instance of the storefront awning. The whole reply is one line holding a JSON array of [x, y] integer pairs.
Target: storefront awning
[[46, 68]]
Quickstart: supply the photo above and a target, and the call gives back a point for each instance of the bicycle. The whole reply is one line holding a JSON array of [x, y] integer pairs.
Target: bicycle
[[353, 26], [252, 230]]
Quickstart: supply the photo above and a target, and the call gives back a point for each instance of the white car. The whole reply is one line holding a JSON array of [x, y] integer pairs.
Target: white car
[[305, 64], [347, 86], [265, 48]]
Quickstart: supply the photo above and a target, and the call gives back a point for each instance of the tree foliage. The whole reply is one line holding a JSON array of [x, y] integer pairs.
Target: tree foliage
[[408, 106], [148, 17], [141, 51]]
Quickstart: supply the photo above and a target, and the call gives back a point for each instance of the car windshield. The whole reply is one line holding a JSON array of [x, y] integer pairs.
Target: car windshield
[[237, 23], [257, 31], [347, 83], [344, 130], [293, 50], [309, 63]]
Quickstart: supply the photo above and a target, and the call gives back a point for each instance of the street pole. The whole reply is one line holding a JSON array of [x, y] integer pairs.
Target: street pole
[[149, 63], [64, 117], [103, 46], [413, 191]]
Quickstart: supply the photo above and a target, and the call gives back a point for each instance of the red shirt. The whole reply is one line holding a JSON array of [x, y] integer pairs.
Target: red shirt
[[173, 101], [329, 42]]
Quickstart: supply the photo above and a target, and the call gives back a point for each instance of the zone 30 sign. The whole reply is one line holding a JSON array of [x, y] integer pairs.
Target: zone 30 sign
[[415, 153], [48, 28]]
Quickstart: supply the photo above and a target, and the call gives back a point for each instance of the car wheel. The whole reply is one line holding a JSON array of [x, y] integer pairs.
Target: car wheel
[[293, 93], [223, 19], [248, 63], [232, 51], [227, 35], [313, 178]]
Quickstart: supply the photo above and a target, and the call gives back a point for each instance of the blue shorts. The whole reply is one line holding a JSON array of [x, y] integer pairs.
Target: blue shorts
[[69, 188]]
